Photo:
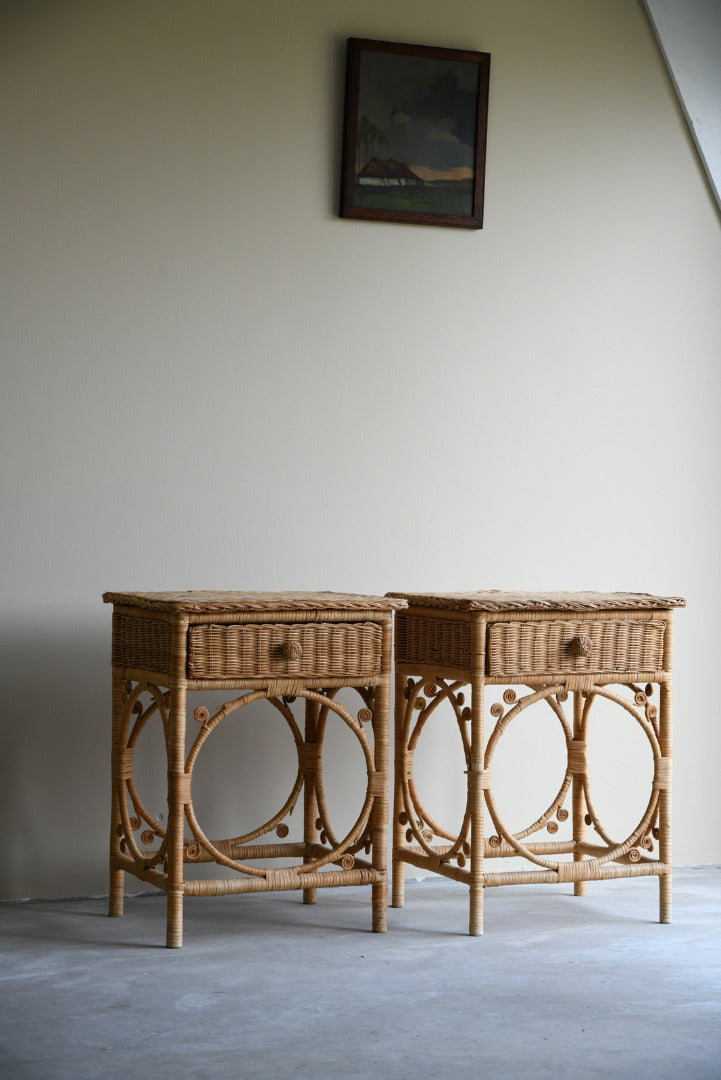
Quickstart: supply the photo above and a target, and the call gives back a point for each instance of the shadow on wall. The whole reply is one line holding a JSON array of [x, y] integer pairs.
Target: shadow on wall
[[55, 765], [54, 768]]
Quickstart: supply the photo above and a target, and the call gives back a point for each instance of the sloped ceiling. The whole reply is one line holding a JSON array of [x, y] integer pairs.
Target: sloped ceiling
[[689, 34]]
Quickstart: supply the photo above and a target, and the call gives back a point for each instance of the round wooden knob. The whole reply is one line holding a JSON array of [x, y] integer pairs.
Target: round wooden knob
[[292, 650], [582, 645]]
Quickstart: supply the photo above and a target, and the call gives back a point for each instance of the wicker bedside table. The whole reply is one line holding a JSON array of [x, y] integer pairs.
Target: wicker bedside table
[[554, 645], [275, 647]]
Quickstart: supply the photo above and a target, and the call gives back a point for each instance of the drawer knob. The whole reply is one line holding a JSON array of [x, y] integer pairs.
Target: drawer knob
[[291, 650], [582, 645]]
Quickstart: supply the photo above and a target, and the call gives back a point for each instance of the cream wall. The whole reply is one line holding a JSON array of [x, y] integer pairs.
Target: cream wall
[[210, 380]]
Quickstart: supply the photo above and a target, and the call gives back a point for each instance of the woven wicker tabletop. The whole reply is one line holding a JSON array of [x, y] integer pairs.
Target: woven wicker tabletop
[[499, 600], [194, 601]]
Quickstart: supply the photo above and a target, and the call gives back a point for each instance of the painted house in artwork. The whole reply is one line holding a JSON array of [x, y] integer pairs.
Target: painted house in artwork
[[388, 173]]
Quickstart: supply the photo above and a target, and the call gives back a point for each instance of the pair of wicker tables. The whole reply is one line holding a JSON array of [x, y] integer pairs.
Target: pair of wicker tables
[[304, 654]]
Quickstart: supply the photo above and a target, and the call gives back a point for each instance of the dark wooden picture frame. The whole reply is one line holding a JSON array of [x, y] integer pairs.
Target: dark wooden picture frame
[[414, 140]]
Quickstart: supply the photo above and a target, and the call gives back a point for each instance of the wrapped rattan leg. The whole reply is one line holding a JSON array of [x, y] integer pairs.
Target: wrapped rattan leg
[[578, 795], [117, 877], [379, 813], [664, 801], [399, 867], [310, 798], [178, 795], [174, 930], [117, 894], [476, 793], [665, 897]]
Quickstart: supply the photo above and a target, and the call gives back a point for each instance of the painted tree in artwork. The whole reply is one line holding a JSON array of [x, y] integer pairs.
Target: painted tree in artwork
[[364, 130], [370, 139]]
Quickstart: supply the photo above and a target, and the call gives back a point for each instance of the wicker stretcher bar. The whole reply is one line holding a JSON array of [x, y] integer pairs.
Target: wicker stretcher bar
[[273, 881], [577, 872]]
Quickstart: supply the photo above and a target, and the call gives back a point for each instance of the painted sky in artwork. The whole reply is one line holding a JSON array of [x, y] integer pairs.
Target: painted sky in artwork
[[419, 110]]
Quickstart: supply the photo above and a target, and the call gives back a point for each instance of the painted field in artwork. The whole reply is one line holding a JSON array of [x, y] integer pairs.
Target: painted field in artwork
[[449, 198]]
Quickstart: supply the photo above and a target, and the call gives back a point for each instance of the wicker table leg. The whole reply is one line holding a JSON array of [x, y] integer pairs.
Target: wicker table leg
[[578, 798], [310, 798], [664, 805], [117, 876], [476, 797], [379, 813], [399, 867], [178, 795], [116, 903]]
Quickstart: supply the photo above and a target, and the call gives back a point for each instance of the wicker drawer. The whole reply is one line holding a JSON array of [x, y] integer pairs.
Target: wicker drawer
[[570, 646], [257, 650]]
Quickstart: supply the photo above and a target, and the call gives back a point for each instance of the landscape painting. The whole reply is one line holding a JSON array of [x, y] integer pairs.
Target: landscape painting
[[415, 134]]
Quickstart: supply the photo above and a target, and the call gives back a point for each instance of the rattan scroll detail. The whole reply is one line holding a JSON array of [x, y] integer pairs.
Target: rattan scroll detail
[[141, 702], [423, 698], [442, 847], [309, 769], [641, 836], [142, 837]]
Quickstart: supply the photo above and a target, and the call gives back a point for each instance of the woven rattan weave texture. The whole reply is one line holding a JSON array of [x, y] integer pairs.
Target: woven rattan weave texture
[[532, 648], [305, 649], [501, 600], [212, 601]]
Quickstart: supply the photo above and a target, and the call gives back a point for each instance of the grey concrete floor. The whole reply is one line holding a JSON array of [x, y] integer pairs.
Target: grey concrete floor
[[265, 987]]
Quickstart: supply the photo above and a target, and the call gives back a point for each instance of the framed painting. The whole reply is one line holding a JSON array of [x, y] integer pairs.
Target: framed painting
[[414, 140]]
